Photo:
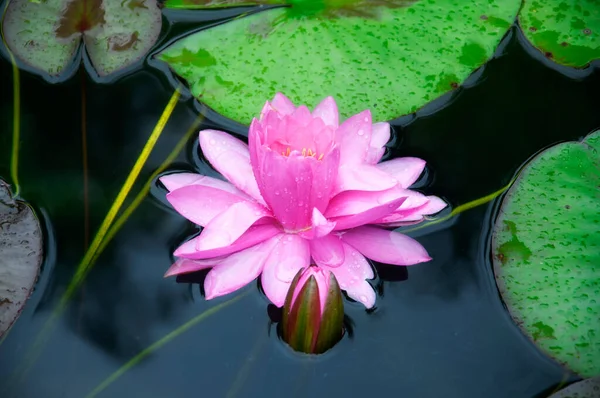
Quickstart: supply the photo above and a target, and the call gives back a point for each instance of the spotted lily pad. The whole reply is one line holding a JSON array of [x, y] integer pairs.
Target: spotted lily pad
[[391, 56], [566, 31], [47, 34], [546, 253], [20, 256], [588, 388]]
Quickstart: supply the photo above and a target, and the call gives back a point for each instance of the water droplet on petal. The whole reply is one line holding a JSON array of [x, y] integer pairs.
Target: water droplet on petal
[[363, 298], [212, 142]]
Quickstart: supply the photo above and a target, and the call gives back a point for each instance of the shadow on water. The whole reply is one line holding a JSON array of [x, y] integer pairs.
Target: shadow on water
[[439, 328]]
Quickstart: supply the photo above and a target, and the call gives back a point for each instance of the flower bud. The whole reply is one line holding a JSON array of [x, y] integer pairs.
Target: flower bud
[[313, 312]]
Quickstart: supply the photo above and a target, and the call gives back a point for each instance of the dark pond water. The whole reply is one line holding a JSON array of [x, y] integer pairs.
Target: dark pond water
[[439, 329]]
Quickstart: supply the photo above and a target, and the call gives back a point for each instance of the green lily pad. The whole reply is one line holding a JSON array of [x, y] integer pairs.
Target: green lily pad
[[588, 388], [566, 31], [546, 253], [47, 34], [392, 58], [20, 256]]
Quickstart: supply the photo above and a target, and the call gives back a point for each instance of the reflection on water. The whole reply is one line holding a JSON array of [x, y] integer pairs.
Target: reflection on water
[[439, 328]]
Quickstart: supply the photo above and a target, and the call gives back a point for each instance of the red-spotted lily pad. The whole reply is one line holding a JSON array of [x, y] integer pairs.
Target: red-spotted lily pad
[[566, 31], [47, 34], [20, 255], [546, 253], [390, 56], [588, 388]]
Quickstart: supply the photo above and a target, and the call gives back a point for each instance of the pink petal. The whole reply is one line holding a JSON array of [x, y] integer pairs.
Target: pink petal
[[200, 204], [405, 170], [184, 266], [327, 110], [179, 180], [237, 270], [251, 237], [289, 255], [367, 216], [229, 225], [320, 226], [282, 104], [434, 205], [380, 134], [351, 276], [362, 177], [327, 251], [349, 203], [386, 246], [286, 185], [414, 211], [354, 136], [230, 157]]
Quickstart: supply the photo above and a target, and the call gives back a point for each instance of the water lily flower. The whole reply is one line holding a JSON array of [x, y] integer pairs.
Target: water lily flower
[[313, 313], [306, 189]]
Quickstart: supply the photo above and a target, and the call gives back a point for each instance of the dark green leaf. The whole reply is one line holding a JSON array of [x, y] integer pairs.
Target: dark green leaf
[[546, 250], [381, 56]]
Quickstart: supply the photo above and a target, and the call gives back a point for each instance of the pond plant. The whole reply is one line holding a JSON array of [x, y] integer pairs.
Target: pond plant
[[420, 192]]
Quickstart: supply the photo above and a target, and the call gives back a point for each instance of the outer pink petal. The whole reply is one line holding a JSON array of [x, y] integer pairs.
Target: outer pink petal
[[282, 104], [351, 276], [320, 226], [184, 266], [179, 180], [362, 177], [229, 225], [327, 110], [367, 216], [200, 204], [405, 170], [327, 250], [354, 202], [354, 136], [289, 255], [231, 158], [237, 270], [407, 215], [380, 134], [386, 246], [251, 237]]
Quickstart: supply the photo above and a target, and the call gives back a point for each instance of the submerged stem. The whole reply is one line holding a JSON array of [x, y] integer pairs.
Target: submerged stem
[[159, 343]]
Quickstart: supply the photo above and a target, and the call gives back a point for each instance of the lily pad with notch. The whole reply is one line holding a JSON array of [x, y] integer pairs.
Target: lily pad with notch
[[390, 56], [21, 250], [546, 253], [565, 31], [46, 35]]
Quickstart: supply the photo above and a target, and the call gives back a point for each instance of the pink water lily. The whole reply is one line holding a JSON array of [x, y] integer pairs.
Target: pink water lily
[[305, 189]]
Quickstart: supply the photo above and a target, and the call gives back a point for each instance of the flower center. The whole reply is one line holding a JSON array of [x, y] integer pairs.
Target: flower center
[[305, 152]]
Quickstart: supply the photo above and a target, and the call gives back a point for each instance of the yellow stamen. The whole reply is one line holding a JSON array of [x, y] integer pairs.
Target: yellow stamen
[[287, 153], [321, 156], [304, 152]]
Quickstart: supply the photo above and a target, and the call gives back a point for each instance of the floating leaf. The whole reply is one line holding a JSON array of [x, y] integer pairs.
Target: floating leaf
[[46, 34], [389, 58], [546, 253], [588, 388], [20, 255], [566, 31]]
